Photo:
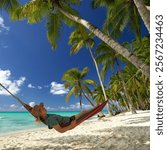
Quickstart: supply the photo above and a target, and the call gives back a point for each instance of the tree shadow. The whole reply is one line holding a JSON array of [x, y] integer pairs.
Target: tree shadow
[[136, 120], [118, 138]]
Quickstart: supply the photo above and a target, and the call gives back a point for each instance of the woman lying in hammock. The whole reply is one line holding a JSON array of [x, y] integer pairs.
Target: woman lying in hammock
[[53, 120]]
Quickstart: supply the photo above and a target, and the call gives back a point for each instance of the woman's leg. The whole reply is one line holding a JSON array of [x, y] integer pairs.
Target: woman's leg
[[81, 113]]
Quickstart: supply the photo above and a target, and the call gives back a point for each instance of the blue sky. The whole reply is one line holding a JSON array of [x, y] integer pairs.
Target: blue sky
[[33, 71]]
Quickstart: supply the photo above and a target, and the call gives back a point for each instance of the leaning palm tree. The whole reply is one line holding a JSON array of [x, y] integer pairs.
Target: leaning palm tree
[[79, 39], [121, 13], [58, 11], [74, 79]]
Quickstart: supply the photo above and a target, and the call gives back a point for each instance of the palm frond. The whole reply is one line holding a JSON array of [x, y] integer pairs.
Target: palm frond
[[101, 3], [34, 11], [69, 94], [9, 5], [53, 28], [84, 72], [89, 82]]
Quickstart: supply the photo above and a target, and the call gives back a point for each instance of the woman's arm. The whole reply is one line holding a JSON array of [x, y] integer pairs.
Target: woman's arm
[[64, 129]]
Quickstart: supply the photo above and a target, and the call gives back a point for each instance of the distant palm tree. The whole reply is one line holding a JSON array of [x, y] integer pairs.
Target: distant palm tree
[[79, 39], [98, 96], [75, 80], [108, 58], [116, 85], [138, 87]]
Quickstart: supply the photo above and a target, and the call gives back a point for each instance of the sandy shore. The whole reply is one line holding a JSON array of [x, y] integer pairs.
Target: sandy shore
[[125, 131]]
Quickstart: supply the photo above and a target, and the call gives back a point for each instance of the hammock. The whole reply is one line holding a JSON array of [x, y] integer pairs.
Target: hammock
[[82, 118]]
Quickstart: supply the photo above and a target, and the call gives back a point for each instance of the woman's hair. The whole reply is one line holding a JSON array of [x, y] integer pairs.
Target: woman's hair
[[36, 111]]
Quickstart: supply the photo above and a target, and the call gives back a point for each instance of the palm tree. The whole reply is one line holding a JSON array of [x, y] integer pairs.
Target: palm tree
[[139, 46], [107, 57], [116, 85], [57, 11], [121, 13], [138, 87], [98, 96], [108, 40], [74, 79], [79, 39], [144, 12]]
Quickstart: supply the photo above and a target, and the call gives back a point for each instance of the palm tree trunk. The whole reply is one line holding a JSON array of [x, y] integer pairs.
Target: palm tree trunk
[[109, 41], [87, 98], [132, 108], [127, 105], [101, 83], [144, 12], [100, 113]]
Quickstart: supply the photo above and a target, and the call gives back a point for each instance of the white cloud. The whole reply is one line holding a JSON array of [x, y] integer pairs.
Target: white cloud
[[58, 89], [34, 87], [13, 106], [46, 86], [31, 86], [32, 104], [39, 87], [12, 86], [3, 27], [75, 106]]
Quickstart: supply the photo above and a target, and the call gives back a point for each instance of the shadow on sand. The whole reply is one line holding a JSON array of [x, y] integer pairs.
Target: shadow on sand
[[119, 138]]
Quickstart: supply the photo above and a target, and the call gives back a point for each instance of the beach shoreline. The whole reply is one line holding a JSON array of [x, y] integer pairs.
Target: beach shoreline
[[120, 132]]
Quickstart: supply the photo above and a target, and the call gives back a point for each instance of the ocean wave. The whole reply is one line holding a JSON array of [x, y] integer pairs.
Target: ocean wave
[[1, 118]]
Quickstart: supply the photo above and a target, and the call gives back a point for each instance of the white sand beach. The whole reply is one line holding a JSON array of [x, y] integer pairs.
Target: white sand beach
[[125, 131]]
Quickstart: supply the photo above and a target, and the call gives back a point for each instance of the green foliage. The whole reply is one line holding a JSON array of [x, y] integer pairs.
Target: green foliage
[[106, 56], [9, 5], [80, 38], [75, 80], [147, 2], [121, 14], [101, 3], [98, 94], [34, 11], [72, 2], [140, 48], [66, 6], [53, 28], [137, 86]]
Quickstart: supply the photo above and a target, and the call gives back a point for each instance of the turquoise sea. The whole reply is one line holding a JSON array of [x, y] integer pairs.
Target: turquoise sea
[[19, 121]]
